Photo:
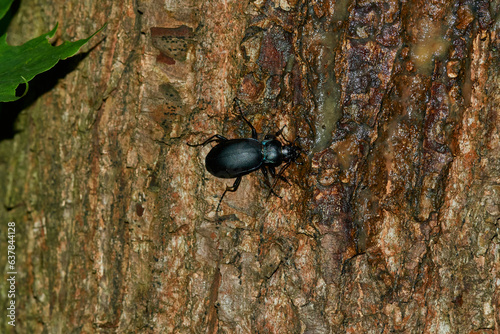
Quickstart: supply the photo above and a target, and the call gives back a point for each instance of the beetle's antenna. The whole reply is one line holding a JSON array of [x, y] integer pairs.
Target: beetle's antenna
[[280, 132]]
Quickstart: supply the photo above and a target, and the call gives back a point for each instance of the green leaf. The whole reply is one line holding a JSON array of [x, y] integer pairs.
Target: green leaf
[[4, 7], [19, 64]]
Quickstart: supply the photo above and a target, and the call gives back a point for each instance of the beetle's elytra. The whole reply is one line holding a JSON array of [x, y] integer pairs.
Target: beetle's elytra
[[234, 158]]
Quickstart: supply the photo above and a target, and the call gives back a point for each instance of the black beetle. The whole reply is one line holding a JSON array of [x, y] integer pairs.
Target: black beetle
[[234, 158]]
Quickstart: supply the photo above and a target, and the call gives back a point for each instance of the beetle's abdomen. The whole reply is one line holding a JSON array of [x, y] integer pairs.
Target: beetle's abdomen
[[233, 158]]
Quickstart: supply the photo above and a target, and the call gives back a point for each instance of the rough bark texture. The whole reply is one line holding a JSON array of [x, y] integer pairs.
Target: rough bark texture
[[391, 225]]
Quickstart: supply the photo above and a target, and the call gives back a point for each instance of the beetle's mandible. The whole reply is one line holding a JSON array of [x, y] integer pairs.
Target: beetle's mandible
[[234, 158]]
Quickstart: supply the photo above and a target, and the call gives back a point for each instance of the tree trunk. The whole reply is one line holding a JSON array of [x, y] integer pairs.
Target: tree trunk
[[391, 224]]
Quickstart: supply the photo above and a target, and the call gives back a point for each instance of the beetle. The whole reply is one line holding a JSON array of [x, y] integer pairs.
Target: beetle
[[235, 158]]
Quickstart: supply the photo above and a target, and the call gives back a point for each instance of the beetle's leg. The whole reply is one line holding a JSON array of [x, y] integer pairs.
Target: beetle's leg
[[280, 176], [273, 174], [235, 186], [217, 138], [254, 132], [266, 180]]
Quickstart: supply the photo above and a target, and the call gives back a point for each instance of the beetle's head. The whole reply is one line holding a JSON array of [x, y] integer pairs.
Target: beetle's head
[[291, 152]]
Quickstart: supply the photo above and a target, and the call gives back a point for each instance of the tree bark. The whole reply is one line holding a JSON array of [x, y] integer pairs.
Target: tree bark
[[390, 225]]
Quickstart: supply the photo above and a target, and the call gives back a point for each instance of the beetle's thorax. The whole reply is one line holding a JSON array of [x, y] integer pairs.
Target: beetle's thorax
[[271, 152]]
